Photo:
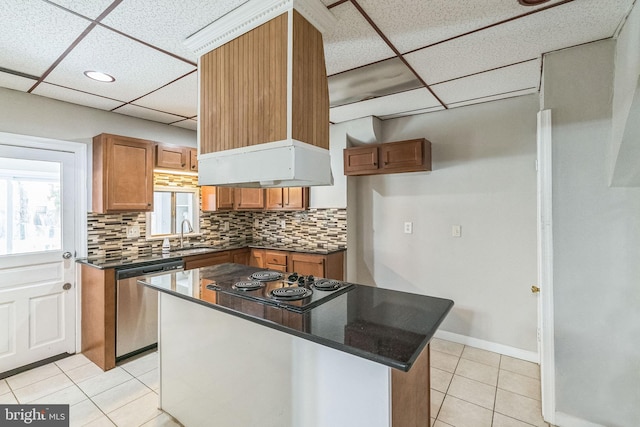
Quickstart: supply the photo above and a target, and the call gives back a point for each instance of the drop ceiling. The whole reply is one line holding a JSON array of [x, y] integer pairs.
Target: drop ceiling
[[387, 58]]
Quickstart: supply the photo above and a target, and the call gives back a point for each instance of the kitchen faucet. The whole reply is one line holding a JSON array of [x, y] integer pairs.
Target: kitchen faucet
[[189, 230]]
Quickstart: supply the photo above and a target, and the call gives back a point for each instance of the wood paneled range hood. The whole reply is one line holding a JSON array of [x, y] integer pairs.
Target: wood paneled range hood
[[263, 97]]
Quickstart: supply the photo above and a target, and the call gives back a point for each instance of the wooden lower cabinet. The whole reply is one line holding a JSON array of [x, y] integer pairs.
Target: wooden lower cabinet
[[98, 310], [206, 260], [276, 260], [241, 256], [330, 266]]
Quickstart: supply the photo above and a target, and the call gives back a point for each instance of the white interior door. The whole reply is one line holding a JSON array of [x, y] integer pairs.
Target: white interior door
[[37, 248]]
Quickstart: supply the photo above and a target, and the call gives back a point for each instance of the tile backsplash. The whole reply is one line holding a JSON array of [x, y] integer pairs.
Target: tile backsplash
[[314, 228]]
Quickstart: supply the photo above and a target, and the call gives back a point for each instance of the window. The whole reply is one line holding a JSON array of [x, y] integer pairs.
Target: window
[[171, 207], [30, 217]]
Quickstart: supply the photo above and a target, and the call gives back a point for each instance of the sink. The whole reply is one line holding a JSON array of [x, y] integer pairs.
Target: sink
[[193, 250]]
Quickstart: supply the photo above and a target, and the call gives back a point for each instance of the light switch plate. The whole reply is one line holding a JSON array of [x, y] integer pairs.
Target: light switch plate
[[456, 230], [283, 224], [408, 227]]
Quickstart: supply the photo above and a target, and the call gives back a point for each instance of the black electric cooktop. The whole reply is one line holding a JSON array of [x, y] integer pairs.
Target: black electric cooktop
[[287, 290]]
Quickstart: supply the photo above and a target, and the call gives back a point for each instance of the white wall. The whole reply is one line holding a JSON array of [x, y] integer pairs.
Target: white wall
[[625, 149], [483, 179], [596, 231], [34, 115]]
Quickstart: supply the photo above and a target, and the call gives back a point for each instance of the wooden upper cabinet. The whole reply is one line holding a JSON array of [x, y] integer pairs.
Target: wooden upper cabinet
[[402, 156], [122, 174], [292, 198], [172, 157], [193, 159], [248, 198], [178, 158], [216, 198], [360, 160]]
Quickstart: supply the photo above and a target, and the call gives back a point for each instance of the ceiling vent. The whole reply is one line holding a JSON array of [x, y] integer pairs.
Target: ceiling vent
[[263, 118]]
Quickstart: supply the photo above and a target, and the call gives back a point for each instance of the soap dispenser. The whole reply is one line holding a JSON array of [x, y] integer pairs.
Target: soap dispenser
[[166, 246]]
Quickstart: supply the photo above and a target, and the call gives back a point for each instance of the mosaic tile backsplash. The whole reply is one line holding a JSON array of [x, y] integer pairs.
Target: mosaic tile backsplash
[[324, 229]]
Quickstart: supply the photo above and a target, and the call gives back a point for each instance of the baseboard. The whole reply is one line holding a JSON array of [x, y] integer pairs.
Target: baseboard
[[518, 353], [566, 420]]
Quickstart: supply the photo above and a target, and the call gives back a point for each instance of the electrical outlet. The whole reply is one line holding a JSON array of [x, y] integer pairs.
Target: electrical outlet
[[283, 223], [456, 230], [408, 227], [256, 222], [225, 226], [133, 231]]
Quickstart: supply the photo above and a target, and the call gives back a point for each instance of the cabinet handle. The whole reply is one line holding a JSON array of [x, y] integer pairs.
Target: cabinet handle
[[183, 165], [375, 163]]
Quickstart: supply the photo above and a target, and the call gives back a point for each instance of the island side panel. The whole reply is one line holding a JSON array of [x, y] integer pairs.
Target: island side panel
[[219, 369], [98, 310], [411, 398]]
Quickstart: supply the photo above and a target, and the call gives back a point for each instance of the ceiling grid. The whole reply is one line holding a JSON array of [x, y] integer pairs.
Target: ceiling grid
[[388, 59]]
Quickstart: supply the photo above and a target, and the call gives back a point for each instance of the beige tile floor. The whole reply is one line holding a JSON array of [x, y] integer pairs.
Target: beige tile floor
[[470, 388]]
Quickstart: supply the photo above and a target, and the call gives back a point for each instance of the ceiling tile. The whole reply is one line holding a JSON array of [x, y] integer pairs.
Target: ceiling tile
[[91, 9], [34, 34], [523, 39], [418, 23], [180, 97], [352, 42], [379, 79], [137, 69], [75, 97], [168, 23], [145, 113], [416, 99], [15, 82], [494, 97], [411, 113], [525, 75], [187, 124]]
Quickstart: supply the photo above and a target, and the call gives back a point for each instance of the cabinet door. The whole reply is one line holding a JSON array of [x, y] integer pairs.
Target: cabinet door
[[193, 160], [241, 256], [360, 160], [123, 174], [274, 198], [404, 156], [249, 198], [171, 157], [307, 264], [295, 197], [216, 198], [257, 258], [206, 260]]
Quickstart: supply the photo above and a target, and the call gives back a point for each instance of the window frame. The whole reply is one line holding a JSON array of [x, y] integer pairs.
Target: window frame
[[195, 191]]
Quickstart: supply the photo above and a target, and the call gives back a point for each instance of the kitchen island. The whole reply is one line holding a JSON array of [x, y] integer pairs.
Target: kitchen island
[[360, 357]]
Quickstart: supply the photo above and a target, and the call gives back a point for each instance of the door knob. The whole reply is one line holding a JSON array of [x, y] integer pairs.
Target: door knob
[[66, 286], [66, 255], [535, 289]]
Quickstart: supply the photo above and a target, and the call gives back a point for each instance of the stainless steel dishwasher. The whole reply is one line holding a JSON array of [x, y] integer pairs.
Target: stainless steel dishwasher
[[137, 308]]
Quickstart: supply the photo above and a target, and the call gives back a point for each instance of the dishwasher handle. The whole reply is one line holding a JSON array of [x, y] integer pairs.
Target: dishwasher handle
[[145, 270]]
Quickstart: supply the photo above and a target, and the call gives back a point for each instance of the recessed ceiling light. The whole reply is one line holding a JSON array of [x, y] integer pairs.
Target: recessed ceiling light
[[531, 2], [101, 77]]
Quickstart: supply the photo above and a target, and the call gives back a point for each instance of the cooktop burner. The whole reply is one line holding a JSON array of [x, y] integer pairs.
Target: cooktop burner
[[247, 285], [327, 284], [290, 293], [266, 276]]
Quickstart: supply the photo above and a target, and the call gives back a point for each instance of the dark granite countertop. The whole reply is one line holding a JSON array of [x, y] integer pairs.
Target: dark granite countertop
[[126, 261], [382, 325]]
